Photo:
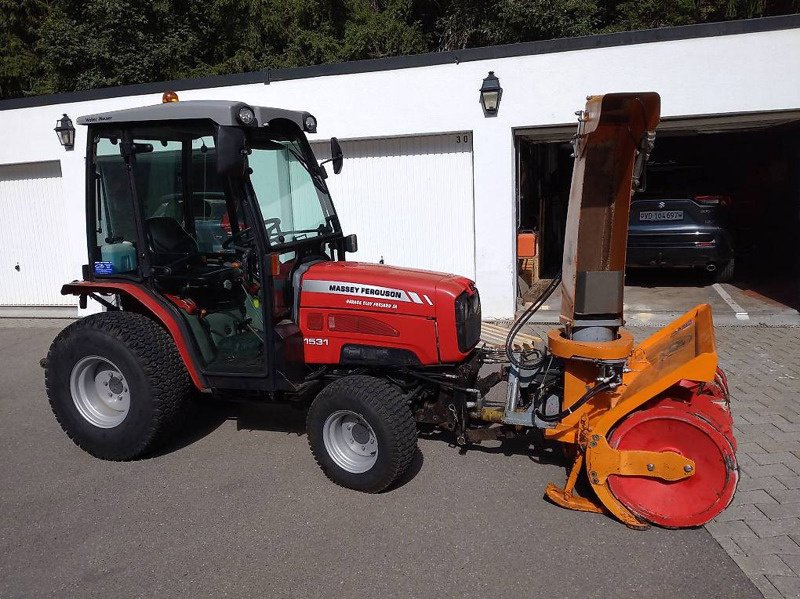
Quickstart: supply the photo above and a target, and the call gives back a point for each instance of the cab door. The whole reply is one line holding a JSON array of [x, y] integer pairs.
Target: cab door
[[204, 258]]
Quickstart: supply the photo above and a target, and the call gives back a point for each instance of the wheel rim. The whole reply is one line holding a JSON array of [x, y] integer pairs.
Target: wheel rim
[[350, 441], [688, 502], [100, 391]]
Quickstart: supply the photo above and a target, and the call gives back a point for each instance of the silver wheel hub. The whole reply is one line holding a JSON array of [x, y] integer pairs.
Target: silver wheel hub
[[99, 391], [350, 441]]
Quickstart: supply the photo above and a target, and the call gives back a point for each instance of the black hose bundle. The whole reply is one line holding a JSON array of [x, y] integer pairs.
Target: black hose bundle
[[584, 398], [522, 320], [515, 329]]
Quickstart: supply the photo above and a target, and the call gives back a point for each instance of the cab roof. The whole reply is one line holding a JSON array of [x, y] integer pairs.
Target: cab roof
[[222, 112]]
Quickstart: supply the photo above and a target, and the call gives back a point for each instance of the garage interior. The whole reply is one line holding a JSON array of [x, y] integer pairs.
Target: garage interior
[[754, 160]]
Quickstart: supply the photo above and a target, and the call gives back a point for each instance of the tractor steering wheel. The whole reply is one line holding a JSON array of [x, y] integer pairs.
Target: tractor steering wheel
[[241, 240]]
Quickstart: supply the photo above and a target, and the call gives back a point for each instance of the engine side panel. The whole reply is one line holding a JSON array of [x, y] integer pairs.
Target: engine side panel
[[323, 343], [399, 308]]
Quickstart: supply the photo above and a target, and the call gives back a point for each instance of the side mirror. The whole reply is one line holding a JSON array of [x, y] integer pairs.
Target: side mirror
[[337, 157], [351, 243], [231, 152]]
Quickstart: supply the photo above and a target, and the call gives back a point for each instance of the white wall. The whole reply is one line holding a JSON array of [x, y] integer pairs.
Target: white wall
[[410, 199], [729, 74]]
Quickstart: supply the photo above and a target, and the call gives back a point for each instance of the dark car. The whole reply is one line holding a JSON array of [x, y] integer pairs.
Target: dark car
[[680, 219]]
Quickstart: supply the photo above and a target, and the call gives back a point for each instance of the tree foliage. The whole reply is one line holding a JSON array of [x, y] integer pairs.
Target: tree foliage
[[20, 22], [66, 45]]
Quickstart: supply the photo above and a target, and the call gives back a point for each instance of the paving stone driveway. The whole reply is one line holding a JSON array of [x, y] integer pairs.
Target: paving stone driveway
[[761, 528]]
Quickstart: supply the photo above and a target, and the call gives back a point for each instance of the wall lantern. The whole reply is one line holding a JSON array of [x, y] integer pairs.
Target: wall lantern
[[66, 132], [490, 93]]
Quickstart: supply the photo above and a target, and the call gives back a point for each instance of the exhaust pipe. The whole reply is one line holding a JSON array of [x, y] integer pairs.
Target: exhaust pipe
[[711, 267]]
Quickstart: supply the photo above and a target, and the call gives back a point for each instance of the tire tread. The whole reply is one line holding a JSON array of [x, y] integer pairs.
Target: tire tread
[[388, 402], [156, 353]]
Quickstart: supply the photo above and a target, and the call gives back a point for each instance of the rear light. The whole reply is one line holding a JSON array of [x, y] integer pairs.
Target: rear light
[[723, 201], [704, 244], [225, 223], [351, 323]]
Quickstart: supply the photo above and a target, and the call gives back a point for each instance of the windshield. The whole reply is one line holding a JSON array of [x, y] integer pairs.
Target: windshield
[[293, 198]]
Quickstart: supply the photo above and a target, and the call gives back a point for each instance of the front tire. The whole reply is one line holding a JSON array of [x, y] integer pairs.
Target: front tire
[[362, 433], [116, 384]]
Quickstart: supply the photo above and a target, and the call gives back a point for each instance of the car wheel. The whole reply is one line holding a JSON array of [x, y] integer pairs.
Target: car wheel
[[117, 385], [724, 273], [362, 433]]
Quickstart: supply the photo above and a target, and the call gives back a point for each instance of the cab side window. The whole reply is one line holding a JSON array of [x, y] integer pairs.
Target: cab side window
[[115, 224], [177, 179]]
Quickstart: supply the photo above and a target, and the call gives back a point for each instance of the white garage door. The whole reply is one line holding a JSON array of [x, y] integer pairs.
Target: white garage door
[[33, 263], [409, 200]]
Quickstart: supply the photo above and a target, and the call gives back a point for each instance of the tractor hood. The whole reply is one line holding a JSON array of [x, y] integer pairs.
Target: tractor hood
[[381, 288]]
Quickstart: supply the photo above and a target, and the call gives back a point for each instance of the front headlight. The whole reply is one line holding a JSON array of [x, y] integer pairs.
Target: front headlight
[[310, 124], [246, 116]]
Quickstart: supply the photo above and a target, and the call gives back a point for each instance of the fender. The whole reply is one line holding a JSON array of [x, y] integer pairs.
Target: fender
[[157, 308]]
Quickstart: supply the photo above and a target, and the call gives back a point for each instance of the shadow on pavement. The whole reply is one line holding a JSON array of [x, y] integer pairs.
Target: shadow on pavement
[[263, 416], [204, 418], [530, 446], [663, 277], [207, 415], [779, 291]]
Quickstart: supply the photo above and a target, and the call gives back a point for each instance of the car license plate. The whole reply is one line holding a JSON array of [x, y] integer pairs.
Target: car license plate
[[661, 215]]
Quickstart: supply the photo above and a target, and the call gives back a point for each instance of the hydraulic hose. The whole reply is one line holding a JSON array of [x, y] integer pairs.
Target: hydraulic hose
[[522, 320], [584, 398]]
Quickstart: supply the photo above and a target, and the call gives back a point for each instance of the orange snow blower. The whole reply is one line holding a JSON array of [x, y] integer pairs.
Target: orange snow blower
[[648, 425]]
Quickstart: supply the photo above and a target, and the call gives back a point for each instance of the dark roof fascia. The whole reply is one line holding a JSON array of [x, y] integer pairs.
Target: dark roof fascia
[[609, 40]]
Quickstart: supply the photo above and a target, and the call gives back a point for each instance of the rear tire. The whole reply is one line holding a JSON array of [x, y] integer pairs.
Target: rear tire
[[362, 433], [724, 274], [134, 357]]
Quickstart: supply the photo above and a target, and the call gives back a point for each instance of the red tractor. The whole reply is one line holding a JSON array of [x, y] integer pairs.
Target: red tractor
[[215, 248]]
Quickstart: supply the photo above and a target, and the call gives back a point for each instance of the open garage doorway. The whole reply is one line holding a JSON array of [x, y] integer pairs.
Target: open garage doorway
[[718, 219]]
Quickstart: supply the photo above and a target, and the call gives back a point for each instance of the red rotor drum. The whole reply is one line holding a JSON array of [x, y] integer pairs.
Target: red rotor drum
[[708, 408], [692, 501]]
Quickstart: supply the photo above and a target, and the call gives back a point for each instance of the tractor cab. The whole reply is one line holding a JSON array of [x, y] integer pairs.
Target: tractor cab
[[210, 207]]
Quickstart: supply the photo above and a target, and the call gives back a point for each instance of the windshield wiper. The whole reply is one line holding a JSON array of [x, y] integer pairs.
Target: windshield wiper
[[316, 177]]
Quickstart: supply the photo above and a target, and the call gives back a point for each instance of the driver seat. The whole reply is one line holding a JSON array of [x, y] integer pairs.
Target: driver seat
[[188, 275], [169, 240]]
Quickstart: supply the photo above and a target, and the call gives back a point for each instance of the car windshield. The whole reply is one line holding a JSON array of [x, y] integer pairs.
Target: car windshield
[[292, 195]]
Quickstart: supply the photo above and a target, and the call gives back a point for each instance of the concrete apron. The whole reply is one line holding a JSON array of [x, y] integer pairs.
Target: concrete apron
[[657, 306]]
